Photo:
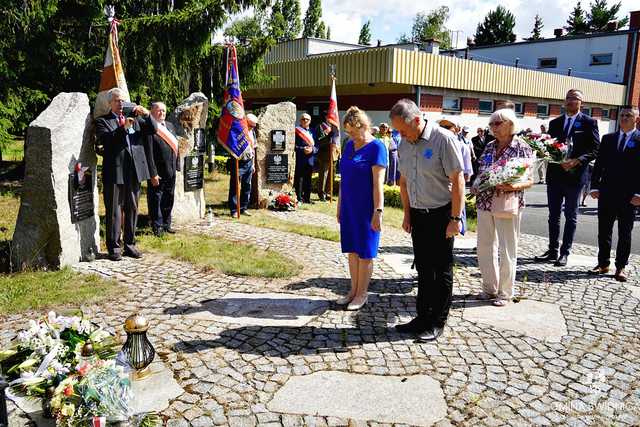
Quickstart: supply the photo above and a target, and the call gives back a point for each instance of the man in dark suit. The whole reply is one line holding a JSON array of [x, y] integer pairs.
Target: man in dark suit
[[124, 167], [306, 150], [163, 160], [615, 182], [565, 180]]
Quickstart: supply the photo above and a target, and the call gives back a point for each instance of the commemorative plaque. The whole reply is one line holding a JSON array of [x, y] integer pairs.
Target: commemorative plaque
[[81, 196], [277, 168], [278, 140], [193, 172]]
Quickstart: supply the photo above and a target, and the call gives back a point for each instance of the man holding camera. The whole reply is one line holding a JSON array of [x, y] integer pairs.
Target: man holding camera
[[121, 133]]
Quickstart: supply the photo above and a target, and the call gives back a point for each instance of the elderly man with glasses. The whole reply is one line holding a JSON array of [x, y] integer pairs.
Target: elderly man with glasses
[[306, 150]]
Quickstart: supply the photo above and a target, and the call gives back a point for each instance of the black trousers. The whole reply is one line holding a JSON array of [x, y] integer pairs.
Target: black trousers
[[302, 181], [246, 172], [119, 200], [323, 177], [160, 203], [610, 211], [433, 254]]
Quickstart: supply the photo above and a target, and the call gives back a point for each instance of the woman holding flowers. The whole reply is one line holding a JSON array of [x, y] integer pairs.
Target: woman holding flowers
[[500, 205]]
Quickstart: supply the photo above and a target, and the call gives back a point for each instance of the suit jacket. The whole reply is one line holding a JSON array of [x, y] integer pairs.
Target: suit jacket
[[303, 159], [617, 175], [162, 160], [118, 155], [586, 138]]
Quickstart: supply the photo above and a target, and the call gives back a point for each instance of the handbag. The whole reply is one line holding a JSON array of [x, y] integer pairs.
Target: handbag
[[505, 205]]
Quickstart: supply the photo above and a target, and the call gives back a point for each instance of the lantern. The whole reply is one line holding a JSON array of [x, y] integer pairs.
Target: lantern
[[137, 348]]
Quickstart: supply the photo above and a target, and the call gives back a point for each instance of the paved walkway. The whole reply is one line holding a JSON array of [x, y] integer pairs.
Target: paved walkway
[[567, 354]]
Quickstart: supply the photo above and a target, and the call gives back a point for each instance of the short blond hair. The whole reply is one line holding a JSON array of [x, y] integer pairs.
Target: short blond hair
[[356, 118], [505, 115]]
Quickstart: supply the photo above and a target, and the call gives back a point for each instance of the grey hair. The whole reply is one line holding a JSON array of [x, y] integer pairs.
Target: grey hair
[[157, 104], [114, 91], [406, 109], [505, 115], [633, 109]]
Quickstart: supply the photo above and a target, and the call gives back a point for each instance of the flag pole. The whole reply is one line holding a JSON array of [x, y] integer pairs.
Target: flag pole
[[237, 188], [332, 73]]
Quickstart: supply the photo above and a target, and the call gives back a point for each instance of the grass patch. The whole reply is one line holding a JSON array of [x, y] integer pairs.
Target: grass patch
[[40, 290], [232, 258]]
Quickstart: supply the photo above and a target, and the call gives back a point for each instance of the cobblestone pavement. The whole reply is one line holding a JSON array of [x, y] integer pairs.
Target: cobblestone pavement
[[489, 376]]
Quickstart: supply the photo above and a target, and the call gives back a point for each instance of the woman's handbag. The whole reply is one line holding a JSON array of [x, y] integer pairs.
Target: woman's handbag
[[505, 204]]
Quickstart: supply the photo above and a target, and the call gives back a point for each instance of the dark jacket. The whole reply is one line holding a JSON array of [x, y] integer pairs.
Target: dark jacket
[[585, 136], [303, 159], [617, 175], [117, 156], [162, 160]]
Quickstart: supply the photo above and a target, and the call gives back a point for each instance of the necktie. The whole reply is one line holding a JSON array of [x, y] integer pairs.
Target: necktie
[[567, 127], [120, 120], [622, 143]]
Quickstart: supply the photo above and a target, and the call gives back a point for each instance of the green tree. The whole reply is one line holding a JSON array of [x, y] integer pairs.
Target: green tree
[[536, 33], [312, 19], [496, 28], [244, 30], [601, 14], [577, 22], [365, 34], [277, 26], [430, 26], [321, 31], [51, 46], [291, 14]]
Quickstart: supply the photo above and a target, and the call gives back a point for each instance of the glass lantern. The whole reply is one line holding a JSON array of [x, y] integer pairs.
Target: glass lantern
[[137, 349]]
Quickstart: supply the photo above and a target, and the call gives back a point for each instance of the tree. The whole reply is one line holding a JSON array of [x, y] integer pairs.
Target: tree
[[430, 26], [496, 28], [577, 22], [365, 34], [536, 33], [65, 41], [312, 19], [321, 31], [245, 29], [291, 14], [600, 15], [277, 26], [328, 32]]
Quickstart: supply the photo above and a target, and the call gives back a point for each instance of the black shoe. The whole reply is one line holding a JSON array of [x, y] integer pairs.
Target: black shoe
[[561, 261], [170, 230], [158, 233], [133, 253], [546, 257], [322, 198], [414, 327], [115, 256], [430, 334]]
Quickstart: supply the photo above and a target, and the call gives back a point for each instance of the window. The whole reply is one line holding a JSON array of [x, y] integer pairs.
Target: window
[[519, 108], [485, 106], [601, 59], [543, 110], [451, 104], [586, 110], [605, 113], [547, 62]]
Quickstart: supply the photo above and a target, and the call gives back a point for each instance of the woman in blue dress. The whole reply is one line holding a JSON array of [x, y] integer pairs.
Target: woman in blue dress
[[361, 202]]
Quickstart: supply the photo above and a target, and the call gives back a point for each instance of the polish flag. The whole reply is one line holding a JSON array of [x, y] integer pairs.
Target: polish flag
[[112, 73], [334, 120]]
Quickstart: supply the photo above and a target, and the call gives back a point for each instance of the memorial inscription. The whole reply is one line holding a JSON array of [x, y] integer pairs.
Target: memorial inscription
[[277, 168], [278, 140], [193, 172], [81, 196]]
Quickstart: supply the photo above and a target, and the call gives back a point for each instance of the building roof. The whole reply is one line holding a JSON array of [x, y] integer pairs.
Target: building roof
[[384, 66]]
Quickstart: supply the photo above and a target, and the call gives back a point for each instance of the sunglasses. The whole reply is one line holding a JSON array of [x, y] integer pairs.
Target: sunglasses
[[495, 124]]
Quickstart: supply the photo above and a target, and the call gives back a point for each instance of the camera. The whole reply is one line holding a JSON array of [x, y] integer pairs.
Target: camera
[[127, 109]]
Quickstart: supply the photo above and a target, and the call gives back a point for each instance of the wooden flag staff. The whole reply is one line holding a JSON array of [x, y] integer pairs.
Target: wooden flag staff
[[237, 188]]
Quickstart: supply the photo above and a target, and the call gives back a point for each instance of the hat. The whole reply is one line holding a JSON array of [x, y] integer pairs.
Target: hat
[[252, 119], [383, 124], [465, 129], [305, 116]]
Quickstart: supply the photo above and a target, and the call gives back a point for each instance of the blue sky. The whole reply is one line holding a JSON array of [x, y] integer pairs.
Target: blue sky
[[390, 18]]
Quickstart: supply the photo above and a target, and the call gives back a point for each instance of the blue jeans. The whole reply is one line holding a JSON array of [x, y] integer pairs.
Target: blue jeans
[[557, 193], [245, 185]]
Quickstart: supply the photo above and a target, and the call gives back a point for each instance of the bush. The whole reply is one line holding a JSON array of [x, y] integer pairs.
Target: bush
[[392, 198], [221, 164]]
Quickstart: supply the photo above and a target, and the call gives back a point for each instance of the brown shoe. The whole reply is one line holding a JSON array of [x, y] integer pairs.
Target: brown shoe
[[599, 270], [620, 276]]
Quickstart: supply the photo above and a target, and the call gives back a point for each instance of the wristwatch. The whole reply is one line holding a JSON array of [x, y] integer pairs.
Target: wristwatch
[[455, 218]]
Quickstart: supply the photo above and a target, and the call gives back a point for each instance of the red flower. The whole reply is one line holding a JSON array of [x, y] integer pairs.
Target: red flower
[[283, 199], [68, 390]]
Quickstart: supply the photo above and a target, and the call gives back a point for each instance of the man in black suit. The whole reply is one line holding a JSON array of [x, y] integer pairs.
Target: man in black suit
[[124, 167], [615, 182], [163, 160], [565, 180]]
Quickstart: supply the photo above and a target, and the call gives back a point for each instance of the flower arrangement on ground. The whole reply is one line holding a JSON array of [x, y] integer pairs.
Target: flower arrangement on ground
[[282, 201], [505, 171]]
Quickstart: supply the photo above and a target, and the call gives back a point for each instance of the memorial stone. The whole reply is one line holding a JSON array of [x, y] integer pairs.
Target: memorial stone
[[58, 220], [189, 117], [275, 168]]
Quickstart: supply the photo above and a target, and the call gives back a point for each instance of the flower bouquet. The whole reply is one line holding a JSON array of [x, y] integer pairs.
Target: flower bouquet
[[558, 151], [283, 202], [538, 144], [505, 171]]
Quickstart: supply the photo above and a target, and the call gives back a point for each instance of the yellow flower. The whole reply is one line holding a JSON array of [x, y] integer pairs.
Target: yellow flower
[[68, 410]]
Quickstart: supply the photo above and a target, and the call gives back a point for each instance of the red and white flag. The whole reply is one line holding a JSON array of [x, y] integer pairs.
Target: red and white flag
[[334, 120], [112, 74]]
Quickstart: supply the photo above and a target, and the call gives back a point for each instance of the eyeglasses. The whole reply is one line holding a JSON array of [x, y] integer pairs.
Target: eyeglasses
[[304, 120], [495, 124]]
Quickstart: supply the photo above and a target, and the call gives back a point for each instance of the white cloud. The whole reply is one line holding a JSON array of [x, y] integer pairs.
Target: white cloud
[[391, 18]]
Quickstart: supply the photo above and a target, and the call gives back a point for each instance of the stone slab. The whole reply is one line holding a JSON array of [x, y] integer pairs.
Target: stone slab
[[582, 261], [635, 291], [266, 309], [151, 394], [539, 320], [415, 400], [401, 263]]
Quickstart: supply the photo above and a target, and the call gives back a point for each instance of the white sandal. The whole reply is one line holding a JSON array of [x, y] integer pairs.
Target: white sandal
[[499, 303], [345, 299]]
